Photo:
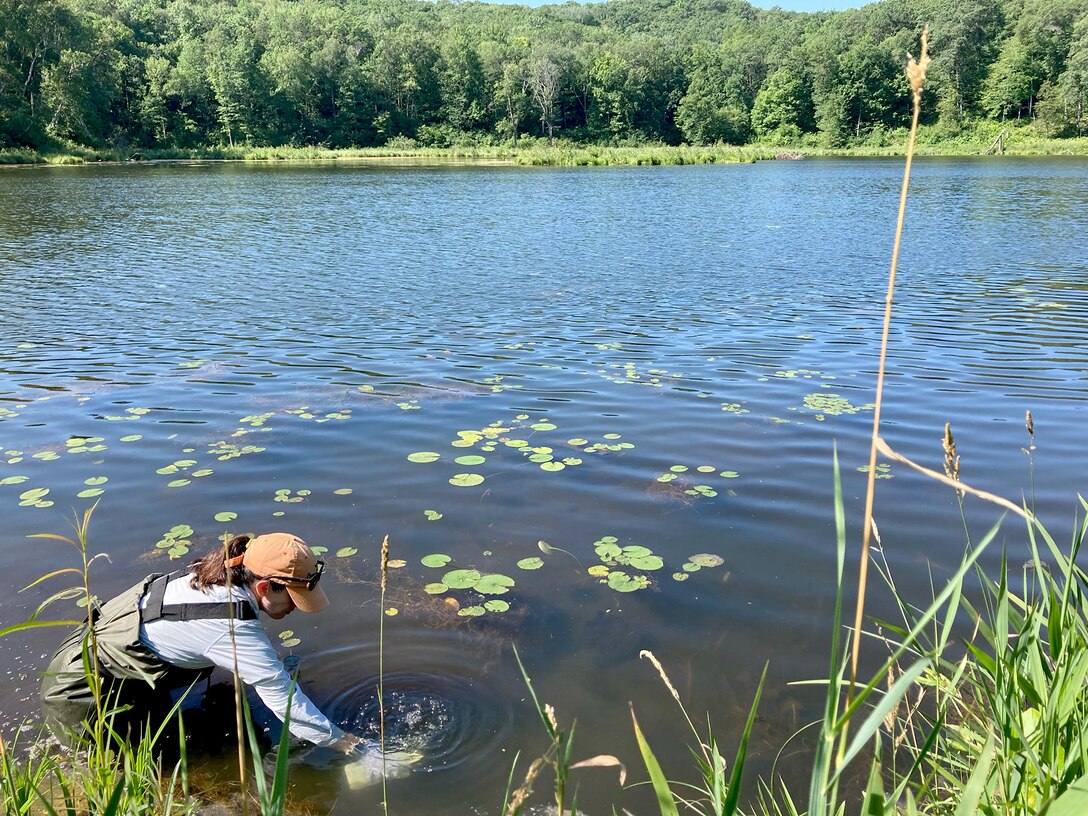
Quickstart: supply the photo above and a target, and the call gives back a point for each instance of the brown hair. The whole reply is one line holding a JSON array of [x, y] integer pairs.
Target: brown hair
[[211, 570]]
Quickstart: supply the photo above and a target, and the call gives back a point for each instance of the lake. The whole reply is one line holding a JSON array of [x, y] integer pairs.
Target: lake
[[659, 358]]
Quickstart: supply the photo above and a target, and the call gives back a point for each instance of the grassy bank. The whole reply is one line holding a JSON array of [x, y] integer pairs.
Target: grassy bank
[[973, 139]]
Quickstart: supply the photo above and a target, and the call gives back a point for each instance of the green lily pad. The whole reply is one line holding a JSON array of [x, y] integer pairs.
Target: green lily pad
[[541, 458], [34, 494], [496, 605], [179, 483], [678, 468], [598, 571], [461, 579], [647, 562], [636, 551], [707, 560], [466, 479], [290, 643], [424, 456], [729, 474], [706, 468], [343, 491], [470, 460], [494, 584], [471, 611], [13, 480], [680, 576], [94, 481], [166, 470], [611, 436], [622, 582], [435, 560], [689, 566], [667, 477], [46, 456], [607, 550], [90, 493], [432, 515], [435, 589], [551, 467], [226, 516], [317, 550], [572, 461], [204, 472], [533, 563], [132, 438], [346, 552], [542, 426]]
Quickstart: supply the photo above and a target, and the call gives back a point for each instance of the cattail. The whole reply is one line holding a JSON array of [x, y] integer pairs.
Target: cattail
[[385, 562], [951, 458]]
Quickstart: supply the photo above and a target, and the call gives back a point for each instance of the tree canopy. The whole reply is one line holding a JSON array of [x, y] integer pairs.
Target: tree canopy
[[339, 73]]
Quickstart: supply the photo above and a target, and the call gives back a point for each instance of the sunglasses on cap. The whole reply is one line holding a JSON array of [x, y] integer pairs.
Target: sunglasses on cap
[[310, 580]]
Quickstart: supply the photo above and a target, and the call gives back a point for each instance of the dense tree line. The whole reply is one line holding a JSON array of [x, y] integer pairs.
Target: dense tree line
[[183, 73]]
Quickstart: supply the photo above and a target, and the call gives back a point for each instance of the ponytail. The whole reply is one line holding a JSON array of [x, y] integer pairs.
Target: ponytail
[[211, 570]]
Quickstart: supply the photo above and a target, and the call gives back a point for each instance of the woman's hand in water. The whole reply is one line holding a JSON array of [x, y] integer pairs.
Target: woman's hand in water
[[346, 744]]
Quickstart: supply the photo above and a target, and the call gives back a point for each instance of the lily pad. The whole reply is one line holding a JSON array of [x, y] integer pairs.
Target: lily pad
[[466, 479], [461, 579], [346, 552], [132, 438], [494, 584], [94, 481], [551, 467], [729, 474], [542, 426], [391, 611], [226, 516], [90, 493], [470, 460], [496, 605], [290, 642], [179, 483], [13, 480], [611, 436], [622, 582], [578, 442], [435, 588], [471, 611], [533, 563], [204, 472], [34, 494], [707, 560], [424, 456], [680, 576], [343, 491], [598, 571], [435, 560], [706, 468], [679, 468], [432, 515]]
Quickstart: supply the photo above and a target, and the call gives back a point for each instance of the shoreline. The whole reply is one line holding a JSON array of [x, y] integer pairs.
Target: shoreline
[[538, 154]]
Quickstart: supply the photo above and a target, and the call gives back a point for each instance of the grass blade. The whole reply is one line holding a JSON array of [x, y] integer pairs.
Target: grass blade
[[665, 800]]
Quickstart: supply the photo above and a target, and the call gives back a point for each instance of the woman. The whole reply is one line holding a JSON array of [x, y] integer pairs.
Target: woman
[[168, 631]]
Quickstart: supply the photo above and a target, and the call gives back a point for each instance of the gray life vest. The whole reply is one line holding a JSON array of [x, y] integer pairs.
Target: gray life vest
[[66, 696]]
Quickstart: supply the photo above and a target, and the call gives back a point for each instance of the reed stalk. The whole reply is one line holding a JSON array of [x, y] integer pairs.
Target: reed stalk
[[238, 697], [381, 669], [916, 72]]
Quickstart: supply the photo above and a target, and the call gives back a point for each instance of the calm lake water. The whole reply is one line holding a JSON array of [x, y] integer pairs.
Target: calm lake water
[[274, 342]]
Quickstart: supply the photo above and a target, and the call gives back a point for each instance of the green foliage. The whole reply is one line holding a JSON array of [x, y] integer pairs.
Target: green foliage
[[124, 78]]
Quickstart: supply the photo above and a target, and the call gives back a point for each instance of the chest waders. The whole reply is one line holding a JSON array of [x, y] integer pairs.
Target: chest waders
[[129, 672]]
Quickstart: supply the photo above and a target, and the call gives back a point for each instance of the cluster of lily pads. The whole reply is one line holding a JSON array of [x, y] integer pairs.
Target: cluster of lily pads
[[623, 568], [130, 415], [628, 373], [483, 584], [883, 470], [284, 495], [183, 466], [489, 438], [223, 450], [825, 404], [176, 540], [304, 412], [675, 472], [7, 413]]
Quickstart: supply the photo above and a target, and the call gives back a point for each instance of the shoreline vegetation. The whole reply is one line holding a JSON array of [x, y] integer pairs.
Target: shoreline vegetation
[[1017, 142]]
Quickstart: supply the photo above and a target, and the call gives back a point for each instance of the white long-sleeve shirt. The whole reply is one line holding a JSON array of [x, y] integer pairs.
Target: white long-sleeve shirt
[[201, 644]]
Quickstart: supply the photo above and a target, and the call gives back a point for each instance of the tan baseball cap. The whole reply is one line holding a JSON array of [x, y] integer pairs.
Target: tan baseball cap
[[287, 559]]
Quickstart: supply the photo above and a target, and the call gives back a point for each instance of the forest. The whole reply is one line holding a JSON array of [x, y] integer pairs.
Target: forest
[[131, 74]]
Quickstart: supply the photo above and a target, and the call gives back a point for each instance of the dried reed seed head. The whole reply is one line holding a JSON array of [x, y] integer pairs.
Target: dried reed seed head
[[549, 712], [916, 70], [385, 562], [526, 789], [1029, 423], [646, 653]]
